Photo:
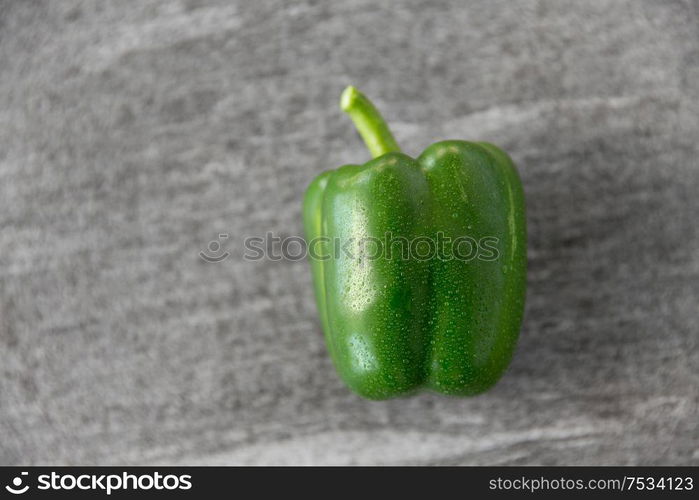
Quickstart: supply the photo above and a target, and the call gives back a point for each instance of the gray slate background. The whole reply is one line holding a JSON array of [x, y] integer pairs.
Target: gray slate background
[[133, 133]]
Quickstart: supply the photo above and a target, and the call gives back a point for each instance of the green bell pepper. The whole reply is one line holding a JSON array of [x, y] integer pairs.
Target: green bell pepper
[[414, 310]]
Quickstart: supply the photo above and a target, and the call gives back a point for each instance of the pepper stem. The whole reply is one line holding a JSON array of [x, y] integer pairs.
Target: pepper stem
[[369, 122]]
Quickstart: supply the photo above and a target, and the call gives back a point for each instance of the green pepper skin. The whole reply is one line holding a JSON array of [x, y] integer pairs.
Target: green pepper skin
[[395, 324]]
